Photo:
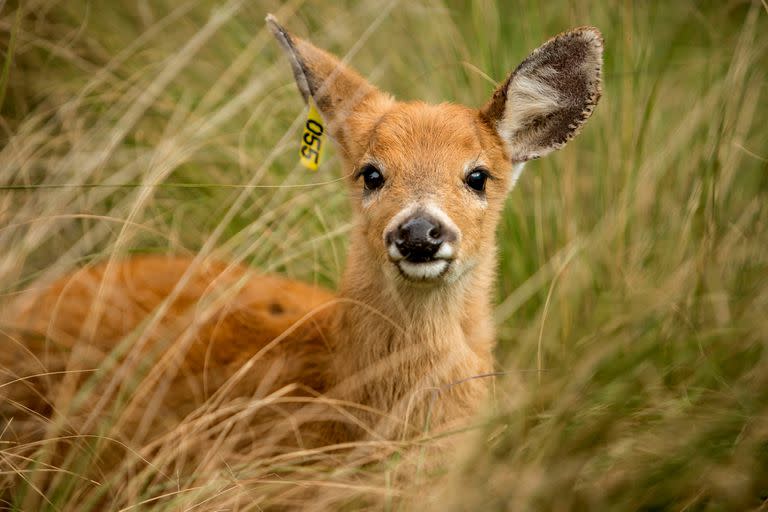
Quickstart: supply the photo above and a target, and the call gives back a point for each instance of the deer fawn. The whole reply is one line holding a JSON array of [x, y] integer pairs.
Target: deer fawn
[[398, 347]]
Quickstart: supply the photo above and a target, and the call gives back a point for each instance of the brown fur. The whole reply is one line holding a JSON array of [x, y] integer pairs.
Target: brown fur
[[412, 355]]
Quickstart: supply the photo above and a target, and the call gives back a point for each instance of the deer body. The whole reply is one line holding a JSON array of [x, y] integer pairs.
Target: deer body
[[409, 335]]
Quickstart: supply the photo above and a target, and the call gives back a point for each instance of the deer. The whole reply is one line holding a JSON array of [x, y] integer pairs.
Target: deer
[[405, 344]]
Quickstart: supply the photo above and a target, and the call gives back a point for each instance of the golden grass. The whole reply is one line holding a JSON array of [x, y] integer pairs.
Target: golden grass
[[633, 285]]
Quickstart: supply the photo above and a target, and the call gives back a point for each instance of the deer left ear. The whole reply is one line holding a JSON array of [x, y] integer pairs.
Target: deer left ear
[[545, 101], [346, 100]]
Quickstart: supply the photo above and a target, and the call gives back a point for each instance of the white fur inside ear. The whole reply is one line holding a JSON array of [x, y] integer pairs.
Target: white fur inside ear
[[517, 170], [527, 99]]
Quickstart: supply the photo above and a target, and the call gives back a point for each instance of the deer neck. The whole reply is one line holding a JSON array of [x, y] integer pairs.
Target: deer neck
[[393, 337]]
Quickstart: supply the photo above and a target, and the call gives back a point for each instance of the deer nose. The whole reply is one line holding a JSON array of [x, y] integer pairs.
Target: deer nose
[[419, 238]]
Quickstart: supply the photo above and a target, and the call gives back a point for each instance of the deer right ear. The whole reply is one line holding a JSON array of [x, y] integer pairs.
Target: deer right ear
[[545, 101], [337, 90]]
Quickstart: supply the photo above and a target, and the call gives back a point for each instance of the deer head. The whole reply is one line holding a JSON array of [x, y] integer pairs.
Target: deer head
[[428, 182]]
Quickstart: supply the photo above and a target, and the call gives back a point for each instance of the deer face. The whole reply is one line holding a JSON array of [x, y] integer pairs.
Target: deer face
[[430, 209], [429, 181]]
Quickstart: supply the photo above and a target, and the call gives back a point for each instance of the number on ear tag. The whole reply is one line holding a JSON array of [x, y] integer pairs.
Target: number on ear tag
[[312, 140]]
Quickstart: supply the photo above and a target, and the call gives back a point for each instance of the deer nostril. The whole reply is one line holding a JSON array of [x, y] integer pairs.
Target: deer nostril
[[434, 233]]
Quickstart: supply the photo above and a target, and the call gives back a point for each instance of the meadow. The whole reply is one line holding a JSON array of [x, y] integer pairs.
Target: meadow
[[632, 297]]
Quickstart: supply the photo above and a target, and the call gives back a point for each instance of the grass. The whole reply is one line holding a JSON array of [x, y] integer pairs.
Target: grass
[[633, 282]]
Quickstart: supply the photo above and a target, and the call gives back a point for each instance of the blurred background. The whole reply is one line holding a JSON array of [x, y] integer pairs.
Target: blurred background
[[632, 298]]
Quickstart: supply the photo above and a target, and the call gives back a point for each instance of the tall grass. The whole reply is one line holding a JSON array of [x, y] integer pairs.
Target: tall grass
[[633, 283]]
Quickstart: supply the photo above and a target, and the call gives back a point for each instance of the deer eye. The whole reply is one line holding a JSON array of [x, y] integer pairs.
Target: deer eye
[[372, 177], [476, 179]]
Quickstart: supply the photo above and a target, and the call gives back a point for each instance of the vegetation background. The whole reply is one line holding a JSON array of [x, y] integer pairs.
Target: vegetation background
[[633, 280]]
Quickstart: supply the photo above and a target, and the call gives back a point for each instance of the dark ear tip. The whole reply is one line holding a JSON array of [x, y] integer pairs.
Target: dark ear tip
[[272, 23], [587, 34], [278, 31], [592, 32], [590, 40]]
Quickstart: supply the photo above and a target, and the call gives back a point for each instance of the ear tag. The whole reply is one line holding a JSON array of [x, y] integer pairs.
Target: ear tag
[[313, 139]]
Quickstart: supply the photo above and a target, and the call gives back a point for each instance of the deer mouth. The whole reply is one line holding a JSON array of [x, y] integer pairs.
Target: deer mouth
[[422, 271], [420, 267]]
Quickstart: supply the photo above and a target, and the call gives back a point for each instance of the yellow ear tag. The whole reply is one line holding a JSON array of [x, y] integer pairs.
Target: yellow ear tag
[[313, 139]]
